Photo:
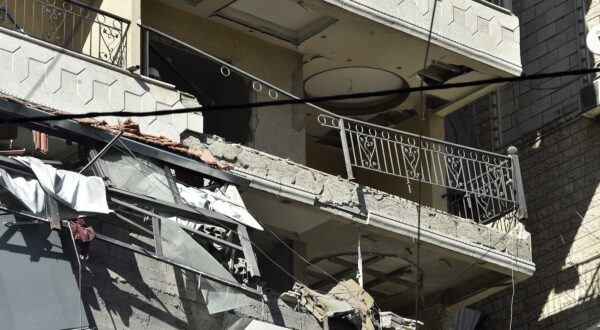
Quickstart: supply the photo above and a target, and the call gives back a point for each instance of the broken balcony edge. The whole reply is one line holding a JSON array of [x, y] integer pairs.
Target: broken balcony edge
[[284, 178]]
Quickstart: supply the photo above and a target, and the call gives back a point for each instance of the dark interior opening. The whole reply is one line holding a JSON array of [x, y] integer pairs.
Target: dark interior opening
[[208, 82]]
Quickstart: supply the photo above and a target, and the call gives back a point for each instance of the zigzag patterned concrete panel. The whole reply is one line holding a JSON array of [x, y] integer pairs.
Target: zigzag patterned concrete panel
[[473, 28], [69, 82]]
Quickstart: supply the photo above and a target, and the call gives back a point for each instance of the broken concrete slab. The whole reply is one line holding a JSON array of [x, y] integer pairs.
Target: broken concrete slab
[[353, 201]]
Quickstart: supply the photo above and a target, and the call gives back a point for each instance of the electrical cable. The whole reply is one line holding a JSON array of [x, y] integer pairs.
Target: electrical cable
[[79, 278], [493, 248], [309, 100], [420, 153], [512, 297], [563, 85], [296, 253]]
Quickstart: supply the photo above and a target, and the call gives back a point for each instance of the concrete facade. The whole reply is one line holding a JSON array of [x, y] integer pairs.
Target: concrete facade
[[125, 290], [560, 171], [54, 77], [472, 28], [277, 130]]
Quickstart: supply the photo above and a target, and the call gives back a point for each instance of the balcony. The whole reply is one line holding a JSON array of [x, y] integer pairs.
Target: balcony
[[466, 191], [478, 185], [73, 58], [471, 197], [71, 25], [482, 29]]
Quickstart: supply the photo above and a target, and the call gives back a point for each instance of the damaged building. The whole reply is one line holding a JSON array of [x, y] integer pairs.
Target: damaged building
[[350, 214]]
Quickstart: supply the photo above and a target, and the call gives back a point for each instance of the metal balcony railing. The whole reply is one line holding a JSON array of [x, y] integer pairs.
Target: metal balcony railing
[[71, 25], [481, 185]]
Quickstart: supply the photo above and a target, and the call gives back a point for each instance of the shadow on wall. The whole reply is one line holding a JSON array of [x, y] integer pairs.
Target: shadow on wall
[[561, 180], [122, 291]]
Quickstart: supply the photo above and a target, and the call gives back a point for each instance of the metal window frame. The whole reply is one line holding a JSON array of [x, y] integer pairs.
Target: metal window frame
[[180, 209]]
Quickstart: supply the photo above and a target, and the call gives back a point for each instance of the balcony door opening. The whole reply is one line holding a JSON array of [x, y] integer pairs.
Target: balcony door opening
[[210, 82]]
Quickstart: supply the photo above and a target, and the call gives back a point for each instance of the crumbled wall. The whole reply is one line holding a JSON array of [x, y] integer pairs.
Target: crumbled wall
[[561, 177], [350, 199]]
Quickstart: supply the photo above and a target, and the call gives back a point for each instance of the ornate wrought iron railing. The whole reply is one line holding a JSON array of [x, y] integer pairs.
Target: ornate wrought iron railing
[[70, 24], [480, 185]]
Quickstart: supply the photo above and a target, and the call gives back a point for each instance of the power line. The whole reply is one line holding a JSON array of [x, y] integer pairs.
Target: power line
[[306, 100], [420, 184], [514, 223]]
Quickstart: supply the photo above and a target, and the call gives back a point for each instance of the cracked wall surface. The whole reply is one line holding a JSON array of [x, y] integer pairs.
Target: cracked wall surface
[[50, 76], [350, 199]]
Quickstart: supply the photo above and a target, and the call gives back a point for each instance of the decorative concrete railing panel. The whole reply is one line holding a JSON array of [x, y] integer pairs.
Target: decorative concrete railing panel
[[49, 75], [477, 29]]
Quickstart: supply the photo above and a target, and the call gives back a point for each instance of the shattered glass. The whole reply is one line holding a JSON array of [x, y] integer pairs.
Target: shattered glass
[[138, 175], [220, 297], [181, 247]]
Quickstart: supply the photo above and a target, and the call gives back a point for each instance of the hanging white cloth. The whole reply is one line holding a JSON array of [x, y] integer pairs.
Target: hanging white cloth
[[80, 193], [28, 191], [229, 203]]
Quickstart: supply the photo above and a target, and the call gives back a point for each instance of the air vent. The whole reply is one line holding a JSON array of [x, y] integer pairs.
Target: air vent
[[438, 72], [590, 102]]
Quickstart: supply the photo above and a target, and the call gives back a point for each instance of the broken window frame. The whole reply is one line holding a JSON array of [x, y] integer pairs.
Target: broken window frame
[[208, 216], [129, 199]]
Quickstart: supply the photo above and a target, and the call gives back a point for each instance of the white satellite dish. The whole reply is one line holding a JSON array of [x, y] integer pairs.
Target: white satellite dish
[[593, 40]]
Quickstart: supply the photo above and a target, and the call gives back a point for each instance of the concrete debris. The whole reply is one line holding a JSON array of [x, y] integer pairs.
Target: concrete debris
[[240, 266], [345, 303], [131, 130]]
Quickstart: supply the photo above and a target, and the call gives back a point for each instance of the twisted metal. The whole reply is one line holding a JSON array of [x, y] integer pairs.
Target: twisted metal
[[70, 25]]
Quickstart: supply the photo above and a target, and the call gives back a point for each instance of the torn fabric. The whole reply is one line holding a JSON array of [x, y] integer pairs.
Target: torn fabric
[[80, 193], [28, 191], [220, 202]]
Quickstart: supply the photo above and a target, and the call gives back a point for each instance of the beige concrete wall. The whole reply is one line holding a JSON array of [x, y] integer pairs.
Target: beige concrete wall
[[276, 130], [131, 10], [472, 28], [76, 28]]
